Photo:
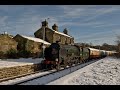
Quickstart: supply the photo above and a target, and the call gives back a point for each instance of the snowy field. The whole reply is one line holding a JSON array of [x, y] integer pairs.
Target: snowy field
[[102, 72], [18, 62]]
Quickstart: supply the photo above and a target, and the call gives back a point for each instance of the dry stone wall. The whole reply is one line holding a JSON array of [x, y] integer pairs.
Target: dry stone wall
[[18, 70]]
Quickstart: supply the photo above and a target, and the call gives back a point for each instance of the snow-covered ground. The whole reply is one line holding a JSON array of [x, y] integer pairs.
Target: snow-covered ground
[[102, 72], [46, 79], [18, 62]]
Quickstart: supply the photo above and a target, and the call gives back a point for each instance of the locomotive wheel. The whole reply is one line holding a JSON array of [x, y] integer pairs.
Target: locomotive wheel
[[52, 67], [43, 66], [58, 67], [65, 65]]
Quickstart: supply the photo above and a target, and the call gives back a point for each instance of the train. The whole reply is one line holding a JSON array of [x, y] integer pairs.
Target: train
[[57, 56]]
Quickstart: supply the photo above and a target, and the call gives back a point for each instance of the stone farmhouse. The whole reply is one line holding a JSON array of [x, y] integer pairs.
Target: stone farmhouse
[[31, 44], [53, 35]]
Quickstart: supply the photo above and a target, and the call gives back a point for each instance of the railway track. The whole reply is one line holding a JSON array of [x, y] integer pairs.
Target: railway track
[[42, 78], [19, 76]]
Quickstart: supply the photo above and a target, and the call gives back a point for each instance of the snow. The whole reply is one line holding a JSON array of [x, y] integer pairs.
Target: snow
[[35, 39], [18, 62], [102, 72], [62, 34], [93, 49], [46, 79], [56, 75]]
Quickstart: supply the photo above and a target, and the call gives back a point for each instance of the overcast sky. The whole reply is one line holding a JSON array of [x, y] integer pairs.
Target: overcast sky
[[97, 24]]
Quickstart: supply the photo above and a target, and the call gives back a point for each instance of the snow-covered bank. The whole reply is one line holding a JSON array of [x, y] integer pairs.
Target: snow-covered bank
[[103, 72], [18, 62]]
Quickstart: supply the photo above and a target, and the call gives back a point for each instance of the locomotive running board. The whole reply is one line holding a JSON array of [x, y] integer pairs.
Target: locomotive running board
[[48, 76]]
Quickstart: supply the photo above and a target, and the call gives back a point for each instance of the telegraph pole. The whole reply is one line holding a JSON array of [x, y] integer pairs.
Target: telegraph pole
[[43, 40]]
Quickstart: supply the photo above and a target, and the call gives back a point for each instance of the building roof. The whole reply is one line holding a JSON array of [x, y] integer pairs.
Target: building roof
[[35, 39], [63, 34], [60, 33], [93, 49]]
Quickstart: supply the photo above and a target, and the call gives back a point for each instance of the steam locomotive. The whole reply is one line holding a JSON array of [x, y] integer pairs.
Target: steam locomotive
[[57, 56]]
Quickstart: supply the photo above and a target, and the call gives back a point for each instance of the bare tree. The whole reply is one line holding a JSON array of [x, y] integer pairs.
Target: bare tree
[[118, 43], [91, 45]]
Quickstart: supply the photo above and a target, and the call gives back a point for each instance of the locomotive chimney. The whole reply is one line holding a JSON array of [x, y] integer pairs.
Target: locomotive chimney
[[65, 31], [55, 27]]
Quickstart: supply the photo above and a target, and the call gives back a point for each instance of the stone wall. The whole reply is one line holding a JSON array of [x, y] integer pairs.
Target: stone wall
[[63, 40], [35, 48], [21, 42], [68, 40], [18, 70], [49, 35], [56, 37], [7, 43], [39, 33], [32, 46], [72, 40]]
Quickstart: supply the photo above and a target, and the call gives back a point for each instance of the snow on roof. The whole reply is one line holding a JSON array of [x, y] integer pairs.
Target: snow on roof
[[111, 51], [62, 34], [35, 39], [103, 50]]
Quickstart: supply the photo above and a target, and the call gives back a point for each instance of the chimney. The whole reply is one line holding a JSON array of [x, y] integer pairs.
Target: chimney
[[5, 32], [65, 31], [45, 23], [55, 27]]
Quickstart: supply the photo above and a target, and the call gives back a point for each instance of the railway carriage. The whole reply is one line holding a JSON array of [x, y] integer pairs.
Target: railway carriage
[[111, 53], [94, 53], [91, 53], [108, 53], [103, 53]]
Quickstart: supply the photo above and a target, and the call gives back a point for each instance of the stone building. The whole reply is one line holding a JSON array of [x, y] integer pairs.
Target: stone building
[[7, 43], [53, 35], [31, 44]]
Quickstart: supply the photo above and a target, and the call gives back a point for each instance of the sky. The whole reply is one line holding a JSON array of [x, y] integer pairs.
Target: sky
[[96, 24]]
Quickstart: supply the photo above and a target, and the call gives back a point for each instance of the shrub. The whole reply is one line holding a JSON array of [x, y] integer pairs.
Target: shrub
[[2, 55], [24, 53], [12, 53]]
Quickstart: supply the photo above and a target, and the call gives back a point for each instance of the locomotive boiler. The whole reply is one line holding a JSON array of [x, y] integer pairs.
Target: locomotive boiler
[[61, 55]]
